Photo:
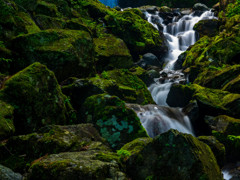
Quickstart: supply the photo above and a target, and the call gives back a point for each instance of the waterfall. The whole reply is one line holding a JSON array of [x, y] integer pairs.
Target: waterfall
[[179, 34], [159, 119], [110, 3]]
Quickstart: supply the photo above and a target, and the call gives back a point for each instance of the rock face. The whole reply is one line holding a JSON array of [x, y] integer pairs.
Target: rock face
[[75, 165], [115, 122], [140, 36], [37, 99], [6, 120], [8, 174], [18, 151], [173, 155]]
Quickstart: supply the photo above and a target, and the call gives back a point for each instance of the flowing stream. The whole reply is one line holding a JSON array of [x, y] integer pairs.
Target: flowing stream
[[159, 118]]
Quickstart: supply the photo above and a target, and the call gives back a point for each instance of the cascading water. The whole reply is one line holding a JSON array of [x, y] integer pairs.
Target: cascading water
[[180, 35]]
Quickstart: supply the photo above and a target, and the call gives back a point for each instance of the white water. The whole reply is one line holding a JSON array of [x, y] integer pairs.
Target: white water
[[158, 119], [226, 175], [180, 35]]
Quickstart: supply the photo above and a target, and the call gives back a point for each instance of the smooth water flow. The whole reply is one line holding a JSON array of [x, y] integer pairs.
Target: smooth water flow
[[159, 119], [179, 35]]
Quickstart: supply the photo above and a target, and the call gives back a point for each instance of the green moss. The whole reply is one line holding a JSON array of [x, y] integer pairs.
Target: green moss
[[66, 52], [116, 123], [140, 36], [6, 120], [37, 99]]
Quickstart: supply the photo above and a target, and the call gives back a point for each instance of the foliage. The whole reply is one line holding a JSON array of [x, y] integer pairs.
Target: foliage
[[233, 9]]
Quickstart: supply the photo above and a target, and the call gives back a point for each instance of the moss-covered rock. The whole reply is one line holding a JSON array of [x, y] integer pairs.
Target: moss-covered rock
[[49, 140], [116, 123], [211, 101], [75, 165], [111, 53], [121, 83], [6, 120], [217, 148], [8, 174], [37, 99], [140, 36], [66, 52], [219, 78], [173, 155], [207, 27]]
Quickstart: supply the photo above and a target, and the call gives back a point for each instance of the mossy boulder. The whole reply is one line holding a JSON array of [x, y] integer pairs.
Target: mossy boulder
[[115, 122], [37, 99], [66, 52], [75, 165], [120, 82], [211, 101], [217, 148], [8, 174], [48, 140], [6, 120], [133, 148], [173, 155], [112, 53], [207, 27], [140, 36], [225, 78]]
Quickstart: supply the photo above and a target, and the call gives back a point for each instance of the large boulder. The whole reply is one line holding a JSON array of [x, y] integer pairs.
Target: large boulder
[[200, 7], [76, 165], [112, 53], [6, 120], [66, 52], [174, 155], [122, 83], [19, 151], [149, 59], [140, 36], [37, 99], [207, 27], [117, 123]]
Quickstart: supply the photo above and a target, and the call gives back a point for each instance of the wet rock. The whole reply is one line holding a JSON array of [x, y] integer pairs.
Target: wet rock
[[37, 99], [174, 155], [77, 165], [179, 62], [8, 174], [115, 122], [200, 7], [186, 11], [207, 27], [149, 59]]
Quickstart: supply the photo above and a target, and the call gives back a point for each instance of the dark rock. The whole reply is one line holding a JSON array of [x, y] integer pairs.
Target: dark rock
[[173, 155], [179, 62], [207, 27], [149, 59], [200, 7], [198, 13], [8, 174]]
